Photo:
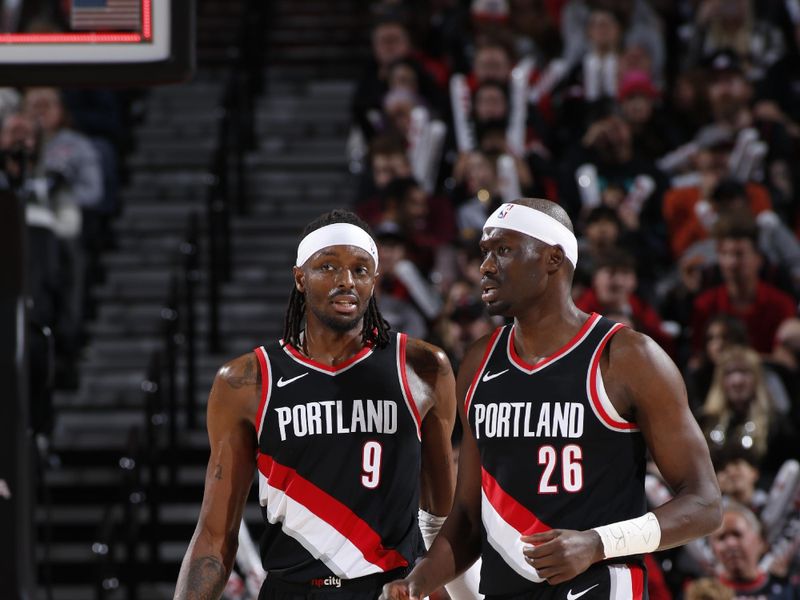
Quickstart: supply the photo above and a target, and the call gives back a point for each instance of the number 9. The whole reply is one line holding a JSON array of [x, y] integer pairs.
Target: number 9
[[371, 465]]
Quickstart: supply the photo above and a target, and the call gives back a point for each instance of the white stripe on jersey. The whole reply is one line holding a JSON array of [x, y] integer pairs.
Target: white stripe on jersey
[[606, 401], [505, 540], [319, 538], [621, 582]]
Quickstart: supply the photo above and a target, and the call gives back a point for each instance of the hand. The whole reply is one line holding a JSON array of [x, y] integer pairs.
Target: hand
[[597, 131], [767, 110], [559, 555], [401, 589], [628, 216]]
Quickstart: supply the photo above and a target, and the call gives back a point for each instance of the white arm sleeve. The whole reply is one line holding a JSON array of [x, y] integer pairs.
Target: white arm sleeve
[[465, 586]]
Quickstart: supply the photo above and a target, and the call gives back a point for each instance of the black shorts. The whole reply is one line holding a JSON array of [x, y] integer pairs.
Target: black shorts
[[598, 582], [363, 588]]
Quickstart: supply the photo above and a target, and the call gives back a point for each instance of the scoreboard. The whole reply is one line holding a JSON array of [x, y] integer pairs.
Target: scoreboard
[[100, 42]]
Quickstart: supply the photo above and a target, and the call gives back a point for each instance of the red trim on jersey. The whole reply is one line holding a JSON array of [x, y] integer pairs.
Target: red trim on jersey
[[264, 464], [518, 361], [266, 385], [594, 369], [332, 511], [409, 398], [512, 512], [637, 581], [298, 356], [486, 354]]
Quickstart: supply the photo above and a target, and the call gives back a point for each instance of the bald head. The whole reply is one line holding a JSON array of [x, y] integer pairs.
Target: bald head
[[548, 207]]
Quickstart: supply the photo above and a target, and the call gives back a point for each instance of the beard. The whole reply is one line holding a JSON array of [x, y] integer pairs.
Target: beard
[[340, 324]]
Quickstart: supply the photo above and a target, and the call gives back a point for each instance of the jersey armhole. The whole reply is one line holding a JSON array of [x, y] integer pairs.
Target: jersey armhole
[[266, 387], [490, 346], [601, 404], [402, 339]]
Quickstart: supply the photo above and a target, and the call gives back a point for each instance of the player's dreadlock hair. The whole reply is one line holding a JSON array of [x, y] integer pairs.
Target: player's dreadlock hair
[[376, 328]]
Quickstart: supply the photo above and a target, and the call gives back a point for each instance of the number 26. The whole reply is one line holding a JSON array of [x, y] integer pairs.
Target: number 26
[[571, 469]]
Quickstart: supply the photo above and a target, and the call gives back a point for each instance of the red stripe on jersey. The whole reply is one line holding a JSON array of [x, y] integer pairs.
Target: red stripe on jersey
[[264, 464], [409, 398], [637, 581], [517, 359], [334, 513], [295, 353], [266, 386], [486, 354], [594, 369], [513, 513]]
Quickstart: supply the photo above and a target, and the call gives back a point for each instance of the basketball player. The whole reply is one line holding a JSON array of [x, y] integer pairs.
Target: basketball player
[[348, 425], [560, 409]]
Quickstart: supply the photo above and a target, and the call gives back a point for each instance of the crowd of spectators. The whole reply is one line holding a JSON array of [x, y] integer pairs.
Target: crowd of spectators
[[670, 132], [59, 152]]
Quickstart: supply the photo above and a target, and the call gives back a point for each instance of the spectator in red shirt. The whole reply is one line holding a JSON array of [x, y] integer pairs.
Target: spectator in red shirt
[[742, 294]]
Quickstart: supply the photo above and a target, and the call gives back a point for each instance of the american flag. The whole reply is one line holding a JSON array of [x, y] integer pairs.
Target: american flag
[[104, 15]]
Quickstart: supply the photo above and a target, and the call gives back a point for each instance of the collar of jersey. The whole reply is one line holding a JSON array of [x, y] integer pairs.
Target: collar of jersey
[[530, 369], [297, 356]]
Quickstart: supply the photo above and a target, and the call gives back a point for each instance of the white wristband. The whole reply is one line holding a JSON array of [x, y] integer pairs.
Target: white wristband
[[463, 587], [429, 526], [634, 536]]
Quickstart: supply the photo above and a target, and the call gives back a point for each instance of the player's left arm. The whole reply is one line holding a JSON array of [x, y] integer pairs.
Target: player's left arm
[[655, 391], [431, 380], [433, 385], [647, 388]]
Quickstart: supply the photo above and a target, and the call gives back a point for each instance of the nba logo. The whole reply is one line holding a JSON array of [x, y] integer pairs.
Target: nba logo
[[502, 214]]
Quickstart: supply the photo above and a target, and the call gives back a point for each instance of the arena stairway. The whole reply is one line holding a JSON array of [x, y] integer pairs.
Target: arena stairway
[[297, 171]]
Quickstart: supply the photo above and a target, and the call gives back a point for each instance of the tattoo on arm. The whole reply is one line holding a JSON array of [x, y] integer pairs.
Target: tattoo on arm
[[218, 472], [204, 581], [249, 377]]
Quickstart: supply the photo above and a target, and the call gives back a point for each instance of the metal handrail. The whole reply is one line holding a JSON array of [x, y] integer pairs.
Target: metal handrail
[[114, 532], [191, 274], [228, 190]]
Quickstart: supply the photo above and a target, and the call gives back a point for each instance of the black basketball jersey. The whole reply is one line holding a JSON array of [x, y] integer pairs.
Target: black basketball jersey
[[554, 451], [338, 463]]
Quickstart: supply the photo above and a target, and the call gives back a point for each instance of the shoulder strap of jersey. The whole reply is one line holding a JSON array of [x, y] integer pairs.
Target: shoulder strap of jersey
[[600, 402], [411, 403], [491, 344], [266, 387]]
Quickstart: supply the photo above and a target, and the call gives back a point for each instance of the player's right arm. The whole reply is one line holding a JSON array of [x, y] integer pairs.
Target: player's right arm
[[457, 545], [232, 405]]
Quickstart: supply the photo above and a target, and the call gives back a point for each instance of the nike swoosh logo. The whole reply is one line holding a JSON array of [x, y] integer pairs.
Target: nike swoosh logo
[[571, 596], [282, 382], [489, 377]]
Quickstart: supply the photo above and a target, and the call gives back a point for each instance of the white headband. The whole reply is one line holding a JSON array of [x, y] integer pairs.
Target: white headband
[[536, 224], [337, 234]]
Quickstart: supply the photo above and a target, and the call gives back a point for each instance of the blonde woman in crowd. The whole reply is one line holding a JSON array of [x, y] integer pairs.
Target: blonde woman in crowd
[[738, 409]]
